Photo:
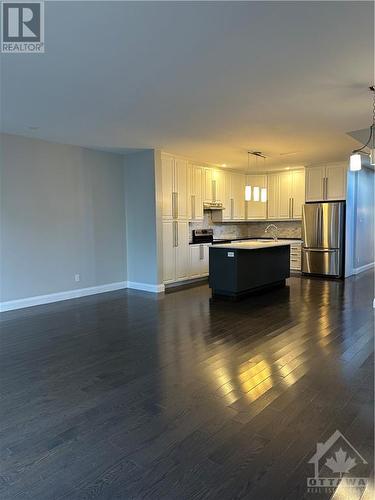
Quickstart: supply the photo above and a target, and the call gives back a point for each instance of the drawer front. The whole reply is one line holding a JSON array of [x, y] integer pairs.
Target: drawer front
[[295, 256]]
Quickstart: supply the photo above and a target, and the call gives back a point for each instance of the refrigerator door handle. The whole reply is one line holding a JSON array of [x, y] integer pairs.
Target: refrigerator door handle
[[329, 250]]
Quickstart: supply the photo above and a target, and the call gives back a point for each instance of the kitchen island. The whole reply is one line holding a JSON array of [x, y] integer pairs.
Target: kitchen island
[[237, 269]]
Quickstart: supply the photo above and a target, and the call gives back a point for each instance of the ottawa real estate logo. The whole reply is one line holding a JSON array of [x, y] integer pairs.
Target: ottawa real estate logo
[[337, 464], [22, 27]]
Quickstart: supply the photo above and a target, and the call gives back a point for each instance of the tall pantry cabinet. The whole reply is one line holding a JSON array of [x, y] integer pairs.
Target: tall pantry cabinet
[[174, 174]]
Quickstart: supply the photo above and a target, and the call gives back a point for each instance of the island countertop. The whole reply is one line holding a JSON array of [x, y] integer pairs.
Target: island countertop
[[251, 245]]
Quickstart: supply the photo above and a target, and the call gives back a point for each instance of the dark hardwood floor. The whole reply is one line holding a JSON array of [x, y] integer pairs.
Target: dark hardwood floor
[[126, 395]]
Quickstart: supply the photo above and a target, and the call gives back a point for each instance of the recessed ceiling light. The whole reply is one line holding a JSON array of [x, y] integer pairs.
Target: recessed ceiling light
[[223, 164], [287, 168]]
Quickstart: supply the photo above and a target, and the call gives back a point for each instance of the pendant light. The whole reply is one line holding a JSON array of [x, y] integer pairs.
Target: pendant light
[[248, 187], [263, 191], [255, 193], [356, 157], [256, 190]]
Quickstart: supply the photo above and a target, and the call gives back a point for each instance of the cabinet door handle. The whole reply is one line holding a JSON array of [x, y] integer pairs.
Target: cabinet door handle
[[174, 205], [292, 207], [201, 250], [193, 206], [326, 195], [232, 208], [213, 190], [324, 187], [175, 236], [289, 208]]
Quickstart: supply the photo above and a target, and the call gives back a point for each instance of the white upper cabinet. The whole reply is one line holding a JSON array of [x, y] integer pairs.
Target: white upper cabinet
[[181, 188], [315, 179], [238, 196], [234, 196], [298, 193], [213, 185], [227, 213], [273, 195], [195, 188], [326, 183], [286, 195], [336, 182], [167, 176], [256, 210], [174, 187]]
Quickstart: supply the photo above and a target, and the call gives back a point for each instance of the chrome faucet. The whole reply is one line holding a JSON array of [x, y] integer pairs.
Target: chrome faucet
[[273, 230]]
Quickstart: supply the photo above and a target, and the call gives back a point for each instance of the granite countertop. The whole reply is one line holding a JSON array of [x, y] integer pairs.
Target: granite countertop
[[256, 238], [233, 240], [251, 245]]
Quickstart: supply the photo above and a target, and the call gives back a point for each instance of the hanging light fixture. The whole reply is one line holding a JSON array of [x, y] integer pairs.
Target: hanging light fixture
[[357, 155], [255, 193], [263, 191], [248, 187], [256, 190]]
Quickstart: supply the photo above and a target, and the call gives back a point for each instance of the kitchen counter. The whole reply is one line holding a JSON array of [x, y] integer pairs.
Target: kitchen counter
[[240, 268], [252, 245], [221, 241]]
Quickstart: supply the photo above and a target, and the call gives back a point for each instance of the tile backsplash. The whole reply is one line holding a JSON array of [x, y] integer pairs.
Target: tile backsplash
[[287, 229]]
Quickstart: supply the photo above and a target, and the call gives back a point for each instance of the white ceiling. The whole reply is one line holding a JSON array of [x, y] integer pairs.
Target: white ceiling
[[208, 80]]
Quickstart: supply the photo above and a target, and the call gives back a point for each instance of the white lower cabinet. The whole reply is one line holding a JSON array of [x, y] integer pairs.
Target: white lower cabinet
[[175, 251], [199, 256]]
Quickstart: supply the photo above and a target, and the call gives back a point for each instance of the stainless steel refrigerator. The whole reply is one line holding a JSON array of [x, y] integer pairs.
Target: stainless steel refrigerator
[[323, 238]]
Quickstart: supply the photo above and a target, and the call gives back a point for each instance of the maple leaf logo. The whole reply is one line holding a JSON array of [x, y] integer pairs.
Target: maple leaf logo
[[342, 463]]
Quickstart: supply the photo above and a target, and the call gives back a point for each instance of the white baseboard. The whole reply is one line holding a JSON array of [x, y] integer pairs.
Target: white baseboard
[[56, 297], [146, 287], [358, 270]]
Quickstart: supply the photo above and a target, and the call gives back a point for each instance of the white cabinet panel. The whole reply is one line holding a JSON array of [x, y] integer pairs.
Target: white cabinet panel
[[238, 196], [285, 196], [174, 187], [180, 187], [195, 261], [336, 182], [273, 195], [207, 184], [218, 183], [199, 256], [169, 262], [326, 183], [195, 198], [315, 183], [298, 193], [182, 250], [167, 173], [175, 250], [227, 197]]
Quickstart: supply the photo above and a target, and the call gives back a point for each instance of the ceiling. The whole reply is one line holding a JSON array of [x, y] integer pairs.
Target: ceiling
[[208, 80]]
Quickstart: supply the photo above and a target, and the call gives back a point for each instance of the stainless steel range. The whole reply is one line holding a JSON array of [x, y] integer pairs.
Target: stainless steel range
[[206, 236]]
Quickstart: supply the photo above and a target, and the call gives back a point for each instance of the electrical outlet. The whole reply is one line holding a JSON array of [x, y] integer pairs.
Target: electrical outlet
[[77, 278]]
